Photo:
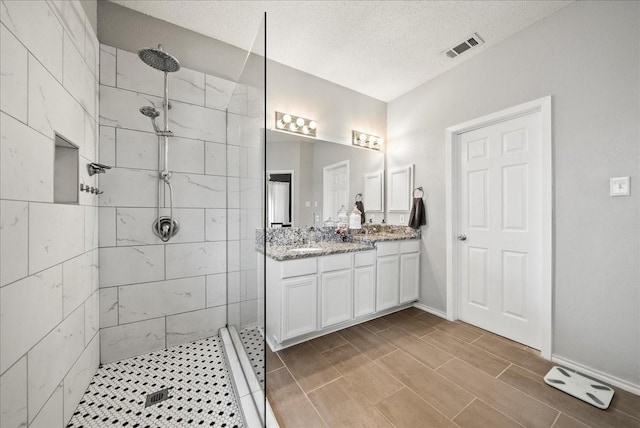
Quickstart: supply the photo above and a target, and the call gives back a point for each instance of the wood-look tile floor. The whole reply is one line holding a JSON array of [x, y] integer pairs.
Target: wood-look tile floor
[[414, 369]]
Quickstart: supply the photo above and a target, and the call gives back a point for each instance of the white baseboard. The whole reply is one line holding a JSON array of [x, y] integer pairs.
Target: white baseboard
[[604, 377], [429, 309]]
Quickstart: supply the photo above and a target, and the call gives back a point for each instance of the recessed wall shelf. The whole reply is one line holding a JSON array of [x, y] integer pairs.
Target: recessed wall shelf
[[65, 172]]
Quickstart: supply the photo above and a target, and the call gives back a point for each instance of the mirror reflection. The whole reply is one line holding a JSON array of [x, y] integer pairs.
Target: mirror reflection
[[309, 180]]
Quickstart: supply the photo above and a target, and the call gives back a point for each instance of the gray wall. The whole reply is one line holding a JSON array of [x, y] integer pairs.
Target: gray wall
[[91, 10], [337, 110], [129, 30], [587, 57]]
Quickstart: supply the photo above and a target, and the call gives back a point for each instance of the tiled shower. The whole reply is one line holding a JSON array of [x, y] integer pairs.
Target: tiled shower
[[89, 283]]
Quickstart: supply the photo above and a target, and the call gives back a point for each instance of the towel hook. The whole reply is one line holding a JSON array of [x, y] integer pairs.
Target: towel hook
[[418, 189], [358, 197]]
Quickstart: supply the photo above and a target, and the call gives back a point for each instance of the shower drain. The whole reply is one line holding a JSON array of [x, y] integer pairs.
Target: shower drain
[[157, 397]]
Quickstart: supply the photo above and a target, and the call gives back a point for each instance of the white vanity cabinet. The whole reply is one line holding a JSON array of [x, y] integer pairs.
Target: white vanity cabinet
[[364, 283], [398, 273], [336, 290], [292, 298], [312, 296], [409, 271], [388, 275]]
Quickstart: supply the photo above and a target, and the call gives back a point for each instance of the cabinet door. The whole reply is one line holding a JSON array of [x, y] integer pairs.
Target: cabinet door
[[364, 291], [409, 277], [387, 276], [335, 295], [299, 302]]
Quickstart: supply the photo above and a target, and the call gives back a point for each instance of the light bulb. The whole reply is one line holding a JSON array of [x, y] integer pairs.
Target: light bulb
[[313, 124], [293, 127], [286, 118], [299, 121], [363, 138], [305, 129], [280, 124], [372, 141]]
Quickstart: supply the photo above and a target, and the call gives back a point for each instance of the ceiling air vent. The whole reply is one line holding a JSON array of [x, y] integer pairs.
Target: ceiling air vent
[[470, 42]]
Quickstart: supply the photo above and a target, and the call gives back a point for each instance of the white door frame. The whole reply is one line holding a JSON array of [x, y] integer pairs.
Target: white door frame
[[293, 189], [542, 105]]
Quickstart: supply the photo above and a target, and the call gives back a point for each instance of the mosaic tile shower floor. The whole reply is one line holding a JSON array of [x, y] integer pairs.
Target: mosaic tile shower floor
[[253, 342], [201, 394]]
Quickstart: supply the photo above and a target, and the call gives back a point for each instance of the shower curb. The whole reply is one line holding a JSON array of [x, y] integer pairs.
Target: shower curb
[[248, 391]]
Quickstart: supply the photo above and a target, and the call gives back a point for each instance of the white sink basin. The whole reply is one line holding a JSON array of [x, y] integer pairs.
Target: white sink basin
[[304, 250]]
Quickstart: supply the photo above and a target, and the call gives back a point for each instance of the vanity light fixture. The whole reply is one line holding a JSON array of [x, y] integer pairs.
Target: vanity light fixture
[[366, 141], [296, 124]]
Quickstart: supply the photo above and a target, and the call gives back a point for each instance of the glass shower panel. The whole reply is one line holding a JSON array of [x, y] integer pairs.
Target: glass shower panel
[[246, 210]]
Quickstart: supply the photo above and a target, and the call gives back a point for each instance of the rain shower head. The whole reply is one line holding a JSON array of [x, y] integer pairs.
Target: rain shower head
[[151, 113], [159, 59]]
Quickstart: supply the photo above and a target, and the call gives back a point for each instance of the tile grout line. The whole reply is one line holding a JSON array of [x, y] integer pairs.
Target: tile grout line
[[556, 420], [500, 411], [375, 409], [506, 368], [504, 383], [327, 383], [305, 394], [431, 405], [464, 408]]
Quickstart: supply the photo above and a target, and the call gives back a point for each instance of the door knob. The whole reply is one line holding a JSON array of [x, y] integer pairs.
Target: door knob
[[462, 237]]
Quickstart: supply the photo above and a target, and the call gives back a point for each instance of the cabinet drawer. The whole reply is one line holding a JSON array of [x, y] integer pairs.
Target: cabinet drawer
[[335, 262], [364, 258], [412, 246], [300, 267], [386, 248]]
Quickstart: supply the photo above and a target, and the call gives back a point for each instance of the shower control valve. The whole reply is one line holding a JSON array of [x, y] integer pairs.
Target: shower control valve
[[97, 168]]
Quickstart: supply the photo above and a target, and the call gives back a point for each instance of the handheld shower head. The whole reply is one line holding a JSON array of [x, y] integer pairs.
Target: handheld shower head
[[151, 113]]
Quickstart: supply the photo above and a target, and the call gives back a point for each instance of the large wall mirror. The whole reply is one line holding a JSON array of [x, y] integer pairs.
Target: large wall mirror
[[322, 175]]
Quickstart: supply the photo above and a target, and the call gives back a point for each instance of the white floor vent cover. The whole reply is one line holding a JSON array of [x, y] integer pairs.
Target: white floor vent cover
[[586, 389]]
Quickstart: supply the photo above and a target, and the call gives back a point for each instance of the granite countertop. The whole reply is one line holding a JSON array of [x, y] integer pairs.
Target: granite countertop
[[384, 236], [287, 252], [359, 242]]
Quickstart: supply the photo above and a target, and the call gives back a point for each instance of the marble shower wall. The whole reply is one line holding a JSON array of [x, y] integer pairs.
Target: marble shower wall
[[155, 295], [49, 342]]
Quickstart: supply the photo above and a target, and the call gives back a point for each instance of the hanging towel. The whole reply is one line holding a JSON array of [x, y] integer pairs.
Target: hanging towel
[[360, 207], [418, 216]]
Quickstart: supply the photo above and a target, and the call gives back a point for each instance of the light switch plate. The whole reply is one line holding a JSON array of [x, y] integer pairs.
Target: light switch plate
[[619, 186]]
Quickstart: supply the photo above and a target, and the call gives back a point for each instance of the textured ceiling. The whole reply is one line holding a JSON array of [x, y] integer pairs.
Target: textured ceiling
[[379, 48]]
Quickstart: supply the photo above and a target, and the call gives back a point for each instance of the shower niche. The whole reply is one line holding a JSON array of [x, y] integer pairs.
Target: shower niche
[[65, 171]]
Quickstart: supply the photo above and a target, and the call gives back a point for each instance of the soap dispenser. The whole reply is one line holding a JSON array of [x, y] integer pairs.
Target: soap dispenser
[[355, 218], [343, 218]]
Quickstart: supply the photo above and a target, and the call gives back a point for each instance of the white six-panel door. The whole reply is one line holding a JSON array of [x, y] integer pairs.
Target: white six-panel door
[[499, 225], [335, 191]]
